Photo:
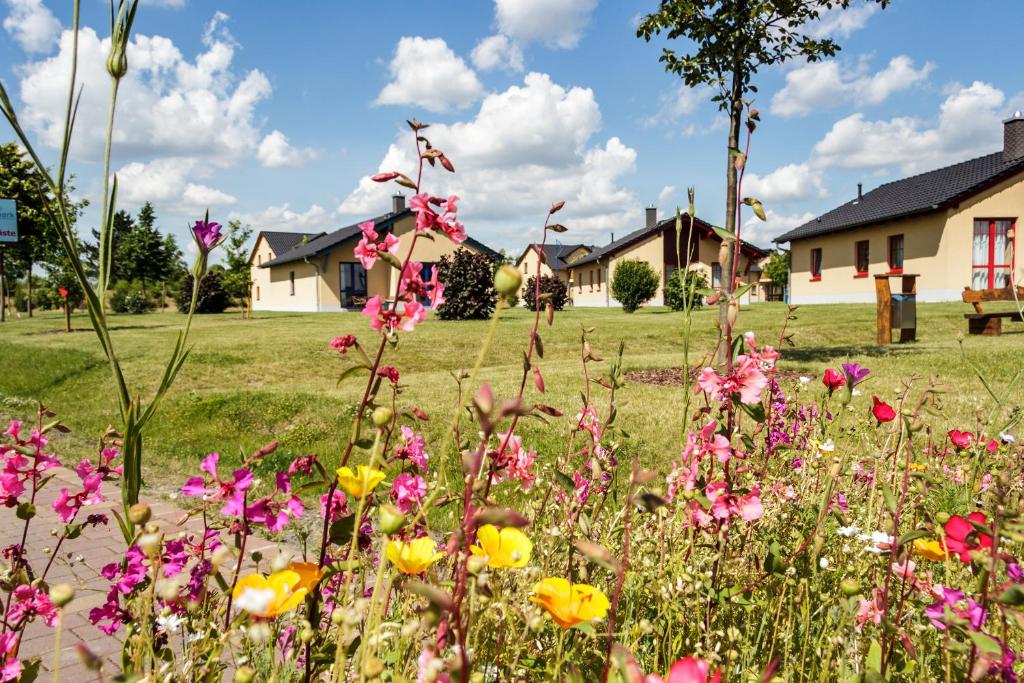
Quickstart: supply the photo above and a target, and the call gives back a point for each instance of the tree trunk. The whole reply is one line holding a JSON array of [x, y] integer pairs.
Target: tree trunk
[[28, 303], [725, 254]]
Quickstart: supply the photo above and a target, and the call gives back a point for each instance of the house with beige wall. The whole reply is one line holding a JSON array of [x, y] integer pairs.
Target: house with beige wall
[[320, 272], [590, 276], [953, 227], [555, 261]]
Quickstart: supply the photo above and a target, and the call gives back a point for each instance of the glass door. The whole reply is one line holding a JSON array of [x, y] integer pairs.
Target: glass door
[[992, 249], [352, 285]]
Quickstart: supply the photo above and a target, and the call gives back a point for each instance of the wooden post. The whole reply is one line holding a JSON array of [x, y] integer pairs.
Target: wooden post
[[883, 298], [3, 287], [909, 284], [67, 315]]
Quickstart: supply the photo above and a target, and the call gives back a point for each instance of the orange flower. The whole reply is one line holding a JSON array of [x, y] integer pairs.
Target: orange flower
[[570, 604]]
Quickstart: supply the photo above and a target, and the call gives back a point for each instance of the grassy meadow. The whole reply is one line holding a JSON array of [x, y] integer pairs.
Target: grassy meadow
[[273, 377]]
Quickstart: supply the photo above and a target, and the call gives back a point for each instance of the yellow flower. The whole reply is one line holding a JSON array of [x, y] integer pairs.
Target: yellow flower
[[570, 604], [413, 557], [269, 596], [360, 483], [508, 547], [309, 574], [930, 549], [917, 467]]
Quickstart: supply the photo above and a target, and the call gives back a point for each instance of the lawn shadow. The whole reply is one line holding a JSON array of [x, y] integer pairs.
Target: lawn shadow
[[817, 354], [112, 328]]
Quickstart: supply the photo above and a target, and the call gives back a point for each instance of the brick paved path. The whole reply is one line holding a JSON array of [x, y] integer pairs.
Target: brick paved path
[[78, 563]]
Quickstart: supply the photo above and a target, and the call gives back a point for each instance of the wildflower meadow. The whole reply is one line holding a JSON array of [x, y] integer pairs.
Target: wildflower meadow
[[795, 530]]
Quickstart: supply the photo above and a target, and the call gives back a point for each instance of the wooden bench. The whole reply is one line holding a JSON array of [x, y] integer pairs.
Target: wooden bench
[[990, 324]]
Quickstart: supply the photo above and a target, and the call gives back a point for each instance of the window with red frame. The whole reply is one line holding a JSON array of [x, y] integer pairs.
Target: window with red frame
[[895, 253], [993, 252], [860, 251], [816, 264]]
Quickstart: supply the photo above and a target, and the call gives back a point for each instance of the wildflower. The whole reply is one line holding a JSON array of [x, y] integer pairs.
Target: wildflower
[[218, 490], [407, 491], [369, 249], [747, 381], [28, 602], [413, 557], [963, 538], [508, 547], [412, 449], [207, 234], [848, 531], [10, 667], [272, 513], [869, 610], [992, 446], [951, 603], [882, 411], [1007, 438], [823, 449], [343, 344], [270, 596], [832, 380], [388, 372], [170, 623], [514, 461], [570, 604], [339, 506], [804, 379], [687, 670], [363, 481], [445, 221], [67, 505], [854, 373], [930, 549], [880, 542], [960, 439]]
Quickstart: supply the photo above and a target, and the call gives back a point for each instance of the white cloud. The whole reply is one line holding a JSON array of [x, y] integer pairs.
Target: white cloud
[[173, 4], [275, 150], [426, 73], [166, 182], [314, 219], [556, 23], [791, 182], [32, 25], [840, 23], [762, 233], [665, 195], [823, 85], [496, 52], [677, 103], [968, 125], [525, 148]]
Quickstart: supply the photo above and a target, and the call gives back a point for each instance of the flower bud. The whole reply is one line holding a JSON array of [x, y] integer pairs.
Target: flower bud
[[150, 544], [338, 616], [139, 513], [117, 61], [62, 594], [391, 519], [306, 635], [381, 416], [507, 280], [476, 564], [850, 587], [941, 517], [245, 674]]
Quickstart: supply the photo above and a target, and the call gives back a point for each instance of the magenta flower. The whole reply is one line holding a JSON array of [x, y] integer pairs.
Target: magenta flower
[[855, 374], [110, 612], [343, 344], [413, 448], [412, 285], [67, 505], [408, 491], [129, 572], [207, 234], [274, 514], [215, 490], [339, 506], [412, 314], [27, 603], [514, 461], [10, 667]]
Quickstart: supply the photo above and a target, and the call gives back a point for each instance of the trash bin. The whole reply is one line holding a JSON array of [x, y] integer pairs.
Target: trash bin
[[904, 311]]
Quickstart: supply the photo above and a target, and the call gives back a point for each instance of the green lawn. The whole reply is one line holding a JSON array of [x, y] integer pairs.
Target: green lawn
[[274, 377]]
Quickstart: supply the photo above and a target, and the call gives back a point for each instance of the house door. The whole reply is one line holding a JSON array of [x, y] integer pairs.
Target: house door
[[352, 285], [993, 253]]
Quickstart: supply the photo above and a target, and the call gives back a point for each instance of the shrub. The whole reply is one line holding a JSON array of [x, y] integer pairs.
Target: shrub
[[129, 297], [678, 288], [548, 285], [468, 286], [634, 283], [213, 298]]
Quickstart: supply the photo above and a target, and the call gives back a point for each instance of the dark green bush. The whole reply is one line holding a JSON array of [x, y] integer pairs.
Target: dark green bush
[[129, 297], [679, 285], [548, 285], [634, 283], [468, 286], [213, 298]]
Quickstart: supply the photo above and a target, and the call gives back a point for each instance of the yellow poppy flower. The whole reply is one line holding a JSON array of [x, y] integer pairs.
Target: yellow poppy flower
[[309, 574], [930, 549], [361, 482], [413, 557], [269, 596], [508, 547], [570, 604]]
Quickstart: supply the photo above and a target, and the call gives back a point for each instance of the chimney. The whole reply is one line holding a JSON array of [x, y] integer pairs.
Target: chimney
[[613, 238], [398, 203], [860, 191], [1013, 137], [652, 216]]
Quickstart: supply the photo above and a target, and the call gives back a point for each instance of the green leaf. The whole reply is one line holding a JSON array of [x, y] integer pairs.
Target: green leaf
[[755, 410], [341, 531], [565, 482], [874, 660], [985, 643], [351, 372], [912, 536], [723, 233], [890, 498], [1014, 596]]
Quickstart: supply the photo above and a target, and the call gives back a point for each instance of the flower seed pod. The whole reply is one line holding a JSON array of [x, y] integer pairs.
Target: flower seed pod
[[245, 674], [381, 416], [507, 280], [151, 544], [476, 564], [850, 587], [62, 594], [391, 519], [139, 514]]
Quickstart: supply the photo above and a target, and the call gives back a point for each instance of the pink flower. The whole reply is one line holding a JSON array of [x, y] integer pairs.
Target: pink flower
[[339, 506], [514, 461], [372, 310], [27, 603], [960, 439], [687, 670], [343, 344], [412, 449], [272, 512], [747, 380], [408, 491], [870, 610], [207, 234], [369, 249], [445, 221], [10, 668]]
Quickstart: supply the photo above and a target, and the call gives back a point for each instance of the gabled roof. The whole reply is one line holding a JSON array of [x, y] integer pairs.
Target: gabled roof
[[923, 193], [328, 241], [280, 242], [555, 254], [645, 232]]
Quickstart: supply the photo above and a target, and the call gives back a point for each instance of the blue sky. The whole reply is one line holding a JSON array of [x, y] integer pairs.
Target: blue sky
[[275, 113]]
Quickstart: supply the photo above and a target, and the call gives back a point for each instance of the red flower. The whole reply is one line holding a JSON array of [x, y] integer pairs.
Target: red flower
[[882, 411], [63, 292], [833, 379], [960, 439], [992, 446], [962, 537]]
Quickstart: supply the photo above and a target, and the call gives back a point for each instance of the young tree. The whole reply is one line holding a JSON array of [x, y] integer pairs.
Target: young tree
[[777, 268], [237, 278], [634, 283], [731, 40]]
